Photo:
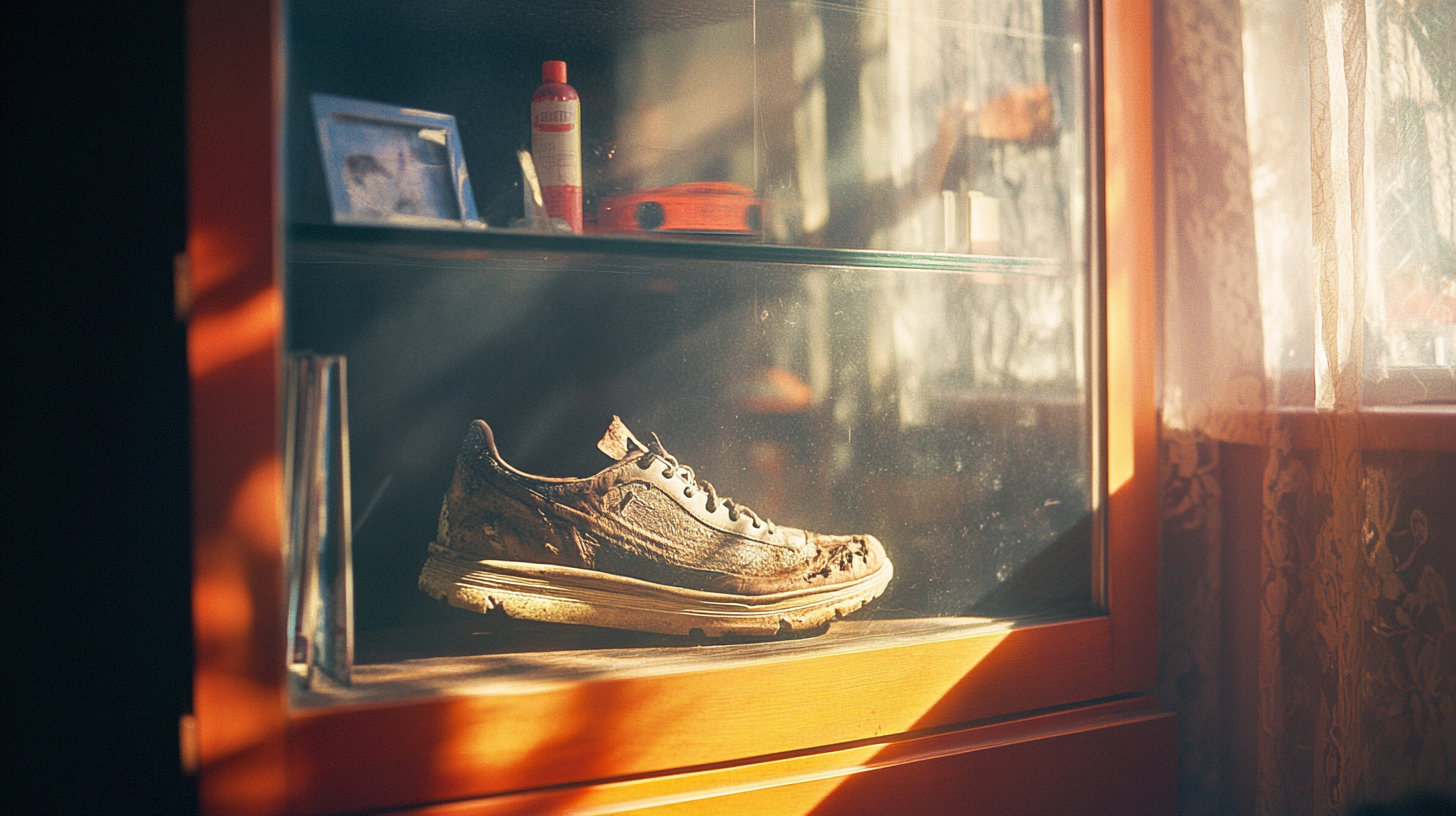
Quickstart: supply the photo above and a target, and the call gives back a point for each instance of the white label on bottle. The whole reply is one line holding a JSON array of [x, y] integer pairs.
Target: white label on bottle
[[556, 142], [985, 224]]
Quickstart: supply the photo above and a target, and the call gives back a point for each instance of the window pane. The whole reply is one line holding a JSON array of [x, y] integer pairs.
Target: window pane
[[1412, 308]]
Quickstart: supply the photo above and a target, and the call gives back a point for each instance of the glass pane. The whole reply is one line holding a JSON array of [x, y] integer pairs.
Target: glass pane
[[894, 343], [913, 125], [1411, 307]]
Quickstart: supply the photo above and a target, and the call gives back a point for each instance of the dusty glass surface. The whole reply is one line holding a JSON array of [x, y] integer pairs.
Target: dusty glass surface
[[895, 342]]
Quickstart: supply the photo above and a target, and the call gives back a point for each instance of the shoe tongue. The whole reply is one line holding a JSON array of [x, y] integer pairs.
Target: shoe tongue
[[618, 442]]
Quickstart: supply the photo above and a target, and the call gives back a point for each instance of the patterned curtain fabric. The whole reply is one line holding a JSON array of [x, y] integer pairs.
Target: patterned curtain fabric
[[1308, 172]]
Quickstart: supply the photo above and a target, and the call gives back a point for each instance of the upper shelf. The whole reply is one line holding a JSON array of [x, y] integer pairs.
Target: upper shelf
[[308, 242]]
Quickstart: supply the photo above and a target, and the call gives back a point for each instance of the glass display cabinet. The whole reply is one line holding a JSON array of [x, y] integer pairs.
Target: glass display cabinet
[[874, 269]]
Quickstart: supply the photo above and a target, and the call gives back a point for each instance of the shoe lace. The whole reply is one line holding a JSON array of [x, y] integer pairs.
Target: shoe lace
[[674, 469]]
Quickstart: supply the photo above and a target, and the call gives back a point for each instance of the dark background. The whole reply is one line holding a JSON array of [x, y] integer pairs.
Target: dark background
[[96, 536]]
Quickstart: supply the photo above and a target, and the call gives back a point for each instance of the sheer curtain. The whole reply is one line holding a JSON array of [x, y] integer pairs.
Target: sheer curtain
[[1308, 173]]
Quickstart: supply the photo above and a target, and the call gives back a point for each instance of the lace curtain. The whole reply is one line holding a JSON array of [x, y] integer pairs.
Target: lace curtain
[[1308, 173]]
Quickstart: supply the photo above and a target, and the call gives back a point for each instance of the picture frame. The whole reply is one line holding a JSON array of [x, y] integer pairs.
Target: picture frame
[[386, 164]]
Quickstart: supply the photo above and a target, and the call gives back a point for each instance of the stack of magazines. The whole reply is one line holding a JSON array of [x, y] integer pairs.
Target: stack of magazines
[[318, 562]]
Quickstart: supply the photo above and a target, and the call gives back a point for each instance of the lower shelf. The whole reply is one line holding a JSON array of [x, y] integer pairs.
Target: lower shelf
[[468, 656]]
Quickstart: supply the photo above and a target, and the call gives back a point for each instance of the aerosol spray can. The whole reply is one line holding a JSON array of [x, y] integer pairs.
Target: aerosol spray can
[[556, 143]]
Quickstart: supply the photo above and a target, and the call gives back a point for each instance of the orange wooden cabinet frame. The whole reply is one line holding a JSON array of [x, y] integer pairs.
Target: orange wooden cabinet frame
[[892, 720], [1106, 758]]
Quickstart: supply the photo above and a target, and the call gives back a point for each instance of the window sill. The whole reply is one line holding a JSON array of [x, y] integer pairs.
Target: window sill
[[1384, 428]]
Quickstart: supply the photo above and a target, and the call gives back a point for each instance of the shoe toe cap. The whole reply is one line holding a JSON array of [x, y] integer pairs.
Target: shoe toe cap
[[846, 558]]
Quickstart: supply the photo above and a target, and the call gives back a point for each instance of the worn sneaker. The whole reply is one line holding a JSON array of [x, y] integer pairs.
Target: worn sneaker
[[641, 545]]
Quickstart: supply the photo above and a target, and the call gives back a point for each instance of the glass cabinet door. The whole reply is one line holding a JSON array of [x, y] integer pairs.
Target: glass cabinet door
[[835, 256]]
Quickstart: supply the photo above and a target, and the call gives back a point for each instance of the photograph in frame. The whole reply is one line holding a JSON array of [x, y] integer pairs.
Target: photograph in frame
[[386, 164]]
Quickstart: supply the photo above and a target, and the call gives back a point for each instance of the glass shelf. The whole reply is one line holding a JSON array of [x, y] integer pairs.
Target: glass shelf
[[314, 242]]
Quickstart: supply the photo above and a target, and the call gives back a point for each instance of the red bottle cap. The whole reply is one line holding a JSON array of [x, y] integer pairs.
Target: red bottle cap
[[553, 71]]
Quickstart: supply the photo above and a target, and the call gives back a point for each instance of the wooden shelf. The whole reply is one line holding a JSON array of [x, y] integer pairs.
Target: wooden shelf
[[481, 657]]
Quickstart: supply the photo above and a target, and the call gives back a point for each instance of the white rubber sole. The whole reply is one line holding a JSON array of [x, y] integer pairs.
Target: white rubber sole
[[542, 592]]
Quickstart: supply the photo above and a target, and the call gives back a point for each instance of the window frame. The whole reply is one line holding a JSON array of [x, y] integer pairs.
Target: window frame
[[258, 755]]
